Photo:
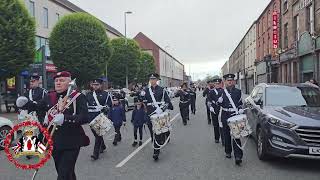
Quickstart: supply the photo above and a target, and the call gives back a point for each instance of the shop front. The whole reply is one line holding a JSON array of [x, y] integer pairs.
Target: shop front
[[306, 57]]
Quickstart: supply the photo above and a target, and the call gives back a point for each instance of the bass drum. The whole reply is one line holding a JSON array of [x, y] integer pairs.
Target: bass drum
[[239, 126]]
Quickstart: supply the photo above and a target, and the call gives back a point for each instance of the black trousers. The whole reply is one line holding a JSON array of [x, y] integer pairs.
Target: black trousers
[[208, 114], [117, 137], [227, 138], [184, 111], [215, 123], [98, 144], [193, 105], [149, 124], [135, 130], [159, 140], [65, 161]]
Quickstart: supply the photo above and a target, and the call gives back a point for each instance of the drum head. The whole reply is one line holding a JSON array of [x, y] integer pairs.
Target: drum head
[[241, 117]]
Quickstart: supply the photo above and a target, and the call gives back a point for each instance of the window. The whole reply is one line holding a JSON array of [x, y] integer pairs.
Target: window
[[285, 35], [296, 27], [45, 18], [57, 17], [309, 19], [285, 6], [31, 8], [293, 96]]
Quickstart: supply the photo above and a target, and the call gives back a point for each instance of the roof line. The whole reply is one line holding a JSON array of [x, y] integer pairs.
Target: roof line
[[158, 46]]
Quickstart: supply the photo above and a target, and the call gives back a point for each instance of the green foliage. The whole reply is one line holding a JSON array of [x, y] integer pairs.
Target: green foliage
[[146, 67], [17, 38], [79, 44], [124, 54]]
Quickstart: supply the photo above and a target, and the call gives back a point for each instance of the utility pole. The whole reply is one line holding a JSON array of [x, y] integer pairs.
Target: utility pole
[[125, 34]]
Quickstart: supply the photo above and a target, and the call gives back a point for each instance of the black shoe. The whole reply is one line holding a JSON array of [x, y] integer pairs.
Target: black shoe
[[156, 157], [228, 156], [238, 161], [134, 144], [114, 143], [216, 141], [185, 123], [93, 157], [140, 143]]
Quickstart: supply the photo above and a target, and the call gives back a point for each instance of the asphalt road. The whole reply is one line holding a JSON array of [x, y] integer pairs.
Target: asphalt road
[[191, 155]]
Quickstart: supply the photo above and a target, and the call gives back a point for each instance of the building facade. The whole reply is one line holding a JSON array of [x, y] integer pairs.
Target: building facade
[[250, 57], [267, 45], [300, 26], [171, 71]]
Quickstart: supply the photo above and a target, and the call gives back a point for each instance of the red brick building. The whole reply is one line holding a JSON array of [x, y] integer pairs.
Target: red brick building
[[267, 40]]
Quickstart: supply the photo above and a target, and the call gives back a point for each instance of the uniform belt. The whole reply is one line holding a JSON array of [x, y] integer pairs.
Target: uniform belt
[[93, 110], [151, 104], [228, 109], [184, 102]]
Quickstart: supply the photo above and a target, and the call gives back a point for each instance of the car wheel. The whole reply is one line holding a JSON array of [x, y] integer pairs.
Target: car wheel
[[261, 145], [3, 134]]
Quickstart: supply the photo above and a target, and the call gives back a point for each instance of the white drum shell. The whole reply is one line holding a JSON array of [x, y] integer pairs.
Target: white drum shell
[[239, 126], [101, 124], [161, 123]]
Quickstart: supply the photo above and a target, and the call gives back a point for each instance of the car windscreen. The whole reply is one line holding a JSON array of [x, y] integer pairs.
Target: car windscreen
[[284, 96]]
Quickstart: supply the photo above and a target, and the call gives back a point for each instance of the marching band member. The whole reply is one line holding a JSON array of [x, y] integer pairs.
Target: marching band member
[[161, 97], [184, 102], [99, 101], [208, 89], [215, 108], [139, 116], [69, 135], [227, 112], [193, 99], [118, 117], [36, 94]]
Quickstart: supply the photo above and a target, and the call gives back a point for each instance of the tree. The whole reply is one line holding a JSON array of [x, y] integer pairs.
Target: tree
[[146, 67], [79, 44], [124, 54], [17, 38]]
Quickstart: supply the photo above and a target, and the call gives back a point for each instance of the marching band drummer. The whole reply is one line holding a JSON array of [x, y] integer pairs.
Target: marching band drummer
[[99, 101], [185, 98], [206, 92], [227, 112], [69, 135], [160, 97]]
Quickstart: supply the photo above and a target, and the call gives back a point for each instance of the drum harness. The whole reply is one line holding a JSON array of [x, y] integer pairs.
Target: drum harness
[[156, 105], [235, 109]]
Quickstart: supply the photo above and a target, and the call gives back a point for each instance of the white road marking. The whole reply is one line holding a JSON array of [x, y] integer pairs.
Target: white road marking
[[123, 162]]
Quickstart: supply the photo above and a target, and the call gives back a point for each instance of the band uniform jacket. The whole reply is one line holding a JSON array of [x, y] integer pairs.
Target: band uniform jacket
[[37, 95], [70, 135], [213, 97], [104, 98], [117, 115], [185, 98], [193, 94], [158, 93], [236, 97]]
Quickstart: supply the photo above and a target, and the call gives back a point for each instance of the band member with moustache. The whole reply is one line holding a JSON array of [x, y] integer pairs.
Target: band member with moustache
[[69, 135], [206, 92], [99, 101], [184, 102], [161, 97], [227, 112]]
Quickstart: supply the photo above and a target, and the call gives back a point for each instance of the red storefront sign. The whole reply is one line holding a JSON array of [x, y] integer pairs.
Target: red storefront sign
[[275, 37], [51, 68]]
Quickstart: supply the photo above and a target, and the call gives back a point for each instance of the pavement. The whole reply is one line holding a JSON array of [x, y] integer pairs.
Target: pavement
[[190, 155]]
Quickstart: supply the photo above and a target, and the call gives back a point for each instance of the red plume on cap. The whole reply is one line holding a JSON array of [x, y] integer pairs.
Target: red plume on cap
[[62, 74]]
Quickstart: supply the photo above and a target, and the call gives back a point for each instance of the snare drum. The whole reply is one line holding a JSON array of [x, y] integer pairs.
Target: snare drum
[[161, 123], [101, 124], [239, 126]]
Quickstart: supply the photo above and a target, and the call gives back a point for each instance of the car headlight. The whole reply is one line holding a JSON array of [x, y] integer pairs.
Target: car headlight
[[280, 122]]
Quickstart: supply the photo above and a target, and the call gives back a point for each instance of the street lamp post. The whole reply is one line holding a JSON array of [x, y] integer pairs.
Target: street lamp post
[[125, 35]]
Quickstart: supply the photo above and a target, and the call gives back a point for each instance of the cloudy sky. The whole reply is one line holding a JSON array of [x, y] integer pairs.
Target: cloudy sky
[[199, 33]]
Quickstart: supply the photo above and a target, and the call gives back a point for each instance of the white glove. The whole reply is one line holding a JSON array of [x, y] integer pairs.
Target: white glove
[[46, 121], [159, 111], [241, 111], [21, 101], [58, 119], [212, 110], [220, 100], [208, 104], [142, 93]]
